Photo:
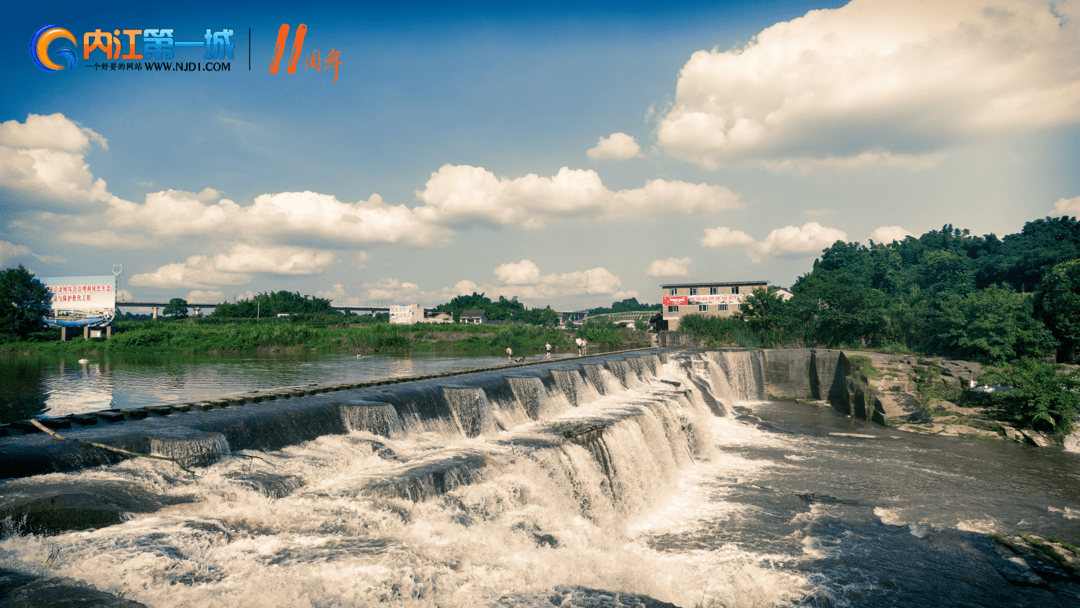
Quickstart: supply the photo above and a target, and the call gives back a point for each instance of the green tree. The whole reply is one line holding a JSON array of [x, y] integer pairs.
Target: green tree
[[1045, 396], [992, 324], [177, 307], [1057, 304], [24, 302]]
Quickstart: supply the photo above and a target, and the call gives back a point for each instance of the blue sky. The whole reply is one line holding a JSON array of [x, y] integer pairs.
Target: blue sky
[[571, 154]]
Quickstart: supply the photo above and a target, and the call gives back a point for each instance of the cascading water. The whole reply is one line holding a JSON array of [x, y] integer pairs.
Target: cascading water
[[566, 488]]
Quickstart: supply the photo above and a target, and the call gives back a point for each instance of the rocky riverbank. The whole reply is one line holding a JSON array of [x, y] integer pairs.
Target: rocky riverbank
[[927, 395]]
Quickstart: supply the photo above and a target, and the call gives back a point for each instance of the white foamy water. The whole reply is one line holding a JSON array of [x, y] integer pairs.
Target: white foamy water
[[508, 517]]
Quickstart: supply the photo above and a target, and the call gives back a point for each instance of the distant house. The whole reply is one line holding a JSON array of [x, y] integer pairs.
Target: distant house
[[439, 317], [406, 315], [474, 316], [781, 292]]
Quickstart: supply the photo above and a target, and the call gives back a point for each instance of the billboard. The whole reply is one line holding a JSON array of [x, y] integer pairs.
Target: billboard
[[81, 301]]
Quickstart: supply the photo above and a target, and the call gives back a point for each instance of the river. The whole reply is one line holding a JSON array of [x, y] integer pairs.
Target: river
[[737, 502]]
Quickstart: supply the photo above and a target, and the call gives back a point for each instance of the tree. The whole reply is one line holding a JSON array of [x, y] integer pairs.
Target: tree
[[1057, 303], [176, 307], [24, 302], [1045, 396], [992, 324]]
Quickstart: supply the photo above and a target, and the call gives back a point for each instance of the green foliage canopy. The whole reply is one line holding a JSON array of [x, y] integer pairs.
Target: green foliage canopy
[[24, 302], [177, 307]]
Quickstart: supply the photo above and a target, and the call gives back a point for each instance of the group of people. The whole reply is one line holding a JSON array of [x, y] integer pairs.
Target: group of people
[[582, 349], [582, 346]]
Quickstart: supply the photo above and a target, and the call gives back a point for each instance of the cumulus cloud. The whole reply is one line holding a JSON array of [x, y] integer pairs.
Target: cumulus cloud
[[41, 164], [878, 82], [725, 237], [11, 251], [790, 241], [619, 146], [524, 279], [1068, 206], [670, 267], [338, 297], [464, 195], [888, 234], [236, 267], [205, 297], [362, 259]]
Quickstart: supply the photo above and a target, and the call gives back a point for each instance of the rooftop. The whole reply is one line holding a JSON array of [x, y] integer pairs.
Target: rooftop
[[714, 284]]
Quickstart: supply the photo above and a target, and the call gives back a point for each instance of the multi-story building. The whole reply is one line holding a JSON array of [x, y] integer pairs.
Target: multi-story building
[[718, 299]]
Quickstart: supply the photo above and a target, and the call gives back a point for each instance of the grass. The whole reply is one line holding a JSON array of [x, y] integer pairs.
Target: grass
[[1050, 552], [329, 334], [861, 365], [1064, 543]]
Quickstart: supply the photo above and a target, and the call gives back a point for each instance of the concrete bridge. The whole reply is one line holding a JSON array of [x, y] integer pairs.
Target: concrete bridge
[[198, 306], [638, 317]]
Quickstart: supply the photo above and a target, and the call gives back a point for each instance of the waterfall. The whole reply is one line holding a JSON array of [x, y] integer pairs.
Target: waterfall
[[470, 408], [375, 418], [428, 494], [187, 444]]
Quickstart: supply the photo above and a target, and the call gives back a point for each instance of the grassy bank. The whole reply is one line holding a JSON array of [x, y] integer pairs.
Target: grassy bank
[[322, 335]]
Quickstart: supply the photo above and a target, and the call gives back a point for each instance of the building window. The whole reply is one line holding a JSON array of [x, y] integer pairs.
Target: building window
[[713, 291], [735, 289], [673, 309], [703, 307], [721, 307], [693, 291], [673, 291]]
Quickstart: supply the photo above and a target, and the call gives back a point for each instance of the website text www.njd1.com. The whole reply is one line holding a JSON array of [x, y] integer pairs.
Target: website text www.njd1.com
[[163, 66]]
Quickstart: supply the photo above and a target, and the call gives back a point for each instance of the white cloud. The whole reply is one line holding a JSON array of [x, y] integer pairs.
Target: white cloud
[[790, 241], [10, 251], [362, 259], [41, 162], [338, 297], [521, 273], [302, 215], [670, 267], [465, 195], [52, 132], [174, 213], [619, 146], [524, 279], [236, 267], [1068, 206], [878, 82], [205, 297], [725, 237], [888, 234]]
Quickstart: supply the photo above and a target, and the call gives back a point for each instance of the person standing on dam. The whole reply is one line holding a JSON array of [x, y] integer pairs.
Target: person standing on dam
[[509, 354]]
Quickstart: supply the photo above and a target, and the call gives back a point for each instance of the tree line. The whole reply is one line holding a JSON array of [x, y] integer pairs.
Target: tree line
[[945, 292]]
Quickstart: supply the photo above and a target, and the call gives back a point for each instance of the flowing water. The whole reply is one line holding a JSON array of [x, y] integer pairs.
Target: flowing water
[[667, 477]]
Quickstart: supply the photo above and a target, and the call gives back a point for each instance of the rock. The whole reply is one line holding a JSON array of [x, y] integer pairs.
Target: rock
[[1013, 434], [1036, 438], [1014, 568], [898, 406], [963, 429], [23, 591]]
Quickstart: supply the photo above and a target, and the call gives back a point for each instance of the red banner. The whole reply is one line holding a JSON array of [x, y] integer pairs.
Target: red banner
[[675, 301]]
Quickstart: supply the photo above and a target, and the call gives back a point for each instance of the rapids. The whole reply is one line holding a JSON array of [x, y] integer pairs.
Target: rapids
[[659, 476]]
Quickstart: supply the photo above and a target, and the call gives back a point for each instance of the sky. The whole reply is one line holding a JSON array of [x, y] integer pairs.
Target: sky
[[568, 154]]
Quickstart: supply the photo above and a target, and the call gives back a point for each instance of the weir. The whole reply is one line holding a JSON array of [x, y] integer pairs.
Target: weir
[[521, 448]]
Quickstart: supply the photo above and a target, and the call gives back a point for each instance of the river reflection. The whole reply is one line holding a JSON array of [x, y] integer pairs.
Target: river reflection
[[59, 387]]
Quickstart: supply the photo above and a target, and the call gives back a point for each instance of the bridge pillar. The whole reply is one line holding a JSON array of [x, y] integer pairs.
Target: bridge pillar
[[63, 334], [155, 313], [86, 332]]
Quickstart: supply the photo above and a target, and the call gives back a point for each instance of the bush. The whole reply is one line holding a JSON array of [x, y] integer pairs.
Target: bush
[[1045, 396]]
